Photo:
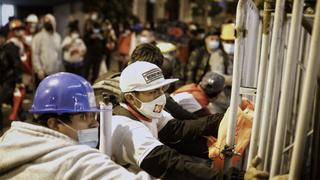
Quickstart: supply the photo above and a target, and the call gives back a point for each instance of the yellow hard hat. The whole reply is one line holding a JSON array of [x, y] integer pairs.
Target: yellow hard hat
[[228, 32], [16, 23]]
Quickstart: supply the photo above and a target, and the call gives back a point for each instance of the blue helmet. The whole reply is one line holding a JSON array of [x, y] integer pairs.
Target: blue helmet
[[64, 93]]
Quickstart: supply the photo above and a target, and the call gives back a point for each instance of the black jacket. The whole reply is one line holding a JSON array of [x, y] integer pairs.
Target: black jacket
[[10, 64]]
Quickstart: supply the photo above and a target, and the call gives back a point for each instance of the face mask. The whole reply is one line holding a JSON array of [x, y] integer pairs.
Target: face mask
[[48, 27], [152, 109], [87, 137], [143, 39], [96, 31], [228, 48], [94, 17], [212, 45], [74, 35]]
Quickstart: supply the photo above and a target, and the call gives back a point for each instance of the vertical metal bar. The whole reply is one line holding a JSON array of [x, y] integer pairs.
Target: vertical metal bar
[[262, 74], [236, 76], [290, 64], [105, 145], [307, 96], [276, 37], [275, 96], [258, 54]]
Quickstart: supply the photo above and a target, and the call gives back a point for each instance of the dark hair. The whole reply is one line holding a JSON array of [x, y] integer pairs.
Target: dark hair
[[213, 31], [73, 25], [147, 52], [43, 118], [4, 31]]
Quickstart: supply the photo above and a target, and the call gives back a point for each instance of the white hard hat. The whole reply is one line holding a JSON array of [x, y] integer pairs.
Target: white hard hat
[[32, 18], [142, 76]]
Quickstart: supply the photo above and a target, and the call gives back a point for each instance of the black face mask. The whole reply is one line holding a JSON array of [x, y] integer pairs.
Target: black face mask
[[48, 27]]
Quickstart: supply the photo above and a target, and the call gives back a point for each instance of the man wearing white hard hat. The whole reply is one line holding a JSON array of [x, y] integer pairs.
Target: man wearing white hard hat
[[142, 131]]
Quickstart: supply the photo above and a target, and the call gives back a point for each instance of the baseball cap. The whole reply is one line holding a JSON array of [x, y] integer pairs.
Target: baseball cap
[[142, 76]]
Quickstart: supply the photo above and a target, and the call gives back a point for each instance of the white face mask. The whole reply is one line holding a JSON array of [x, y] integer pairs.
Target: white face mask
[[74, 35], [87, 137], [152, 109], [228, 48], [212, 45]]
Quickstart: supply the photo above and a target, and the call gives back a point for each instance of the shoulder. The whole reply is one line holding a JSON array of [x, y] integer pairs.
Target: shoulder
[[119, 122]]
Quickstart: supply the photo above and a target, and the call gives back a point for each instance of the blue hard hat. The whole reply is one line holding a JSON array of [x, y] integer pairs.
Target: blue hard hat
[[64, 93]]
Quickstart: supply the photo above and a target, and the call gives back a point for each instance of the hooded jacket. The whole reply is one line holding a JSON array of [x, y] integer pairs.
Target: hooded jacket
[[46, 51], [35, 152]]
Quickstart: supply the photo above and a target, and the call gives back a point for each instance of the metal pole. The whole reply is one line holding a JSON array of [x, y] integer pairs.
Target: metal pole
[[290, 64], [105, 145], [258, 54], [306, 99], [262, 74], [236, 77], [276, 38]]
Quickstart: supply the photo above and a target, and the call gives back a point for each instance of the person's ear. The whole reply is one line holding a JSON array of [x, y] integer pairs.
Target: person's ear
[[129, 98], [52, 124]]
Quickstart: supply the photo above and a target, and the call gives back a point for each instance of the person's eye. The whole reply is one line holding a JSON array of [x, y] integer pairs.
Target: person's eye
[[82, 116]]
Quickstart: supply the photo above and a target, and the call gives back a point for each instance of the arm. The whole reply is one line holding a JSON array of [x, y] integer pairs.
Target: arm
[[176, 131], [177, 111], [188, 137], [89, 163], [166, 163]]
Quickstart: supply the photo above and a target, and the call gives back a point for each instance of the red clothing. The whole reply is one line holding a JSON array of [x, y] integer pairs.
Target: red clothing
[[197, 93]]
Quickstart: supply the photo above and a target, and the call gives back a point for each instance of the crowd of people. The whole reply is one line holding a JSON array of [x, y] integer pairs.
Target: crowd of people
[[164, 107]]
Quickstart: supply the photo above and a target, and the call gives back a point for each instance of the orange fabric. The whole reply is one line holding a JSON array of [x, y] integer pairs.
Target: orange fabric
[[242, 138], [246, 104], [17, 101], [197, 93], [124, 44]]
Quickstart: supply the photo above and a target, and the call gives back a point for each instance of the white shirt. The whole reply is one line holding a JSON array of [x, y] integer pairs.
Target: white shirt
[[133, 140]]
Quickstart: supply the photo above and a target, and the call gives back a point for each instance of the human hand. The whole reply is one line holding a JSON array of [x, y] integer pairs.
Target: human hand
[[253, 172]]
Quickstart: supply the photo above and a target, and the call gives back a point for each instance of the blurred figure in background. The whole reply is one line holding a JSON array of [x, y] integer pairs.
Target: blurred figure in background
[[95, 43], [224, 67], [46, 50], [196, 37], [74, 49], [195, 98], [171, 67], [199, 61], [110, 41], [10, 69], [31, 27], [18, 37]]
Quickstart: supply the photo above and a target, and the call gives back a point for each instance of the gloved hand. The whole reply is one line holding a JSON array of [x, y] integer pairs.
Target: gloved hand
[[253, 172], [281, 177]]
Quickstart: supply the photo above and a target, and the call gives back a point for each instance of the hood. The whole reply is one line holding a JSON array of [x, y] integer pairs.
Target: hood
[[52, 20], [24, 143]]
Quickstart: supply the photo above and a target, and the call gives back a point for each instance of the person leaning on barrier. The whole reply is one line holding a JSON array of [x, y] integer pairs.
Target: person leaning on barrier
[[60, 145], [108, 83], [140, 122]]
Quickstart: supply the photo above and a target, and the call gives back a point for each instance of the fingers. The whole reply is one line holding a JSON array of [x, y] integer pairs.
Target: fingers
[[256, 161], [262, 175]]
